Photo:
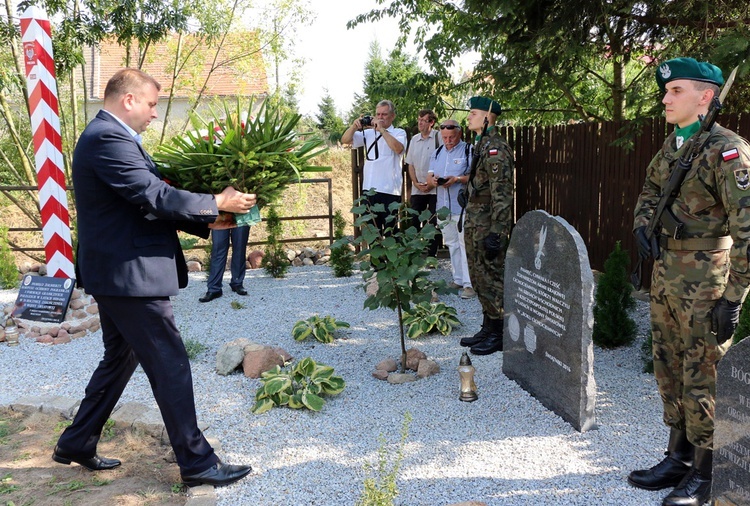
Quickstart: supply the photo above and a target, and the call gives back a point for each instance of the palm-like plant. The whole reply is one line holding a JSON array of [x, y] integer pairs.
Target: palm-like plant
[[259, 154]]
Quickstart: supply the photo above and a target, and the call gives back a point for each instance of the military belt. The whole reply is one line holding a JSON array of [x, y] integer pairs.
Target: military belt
[[696, 244], [480, 199]]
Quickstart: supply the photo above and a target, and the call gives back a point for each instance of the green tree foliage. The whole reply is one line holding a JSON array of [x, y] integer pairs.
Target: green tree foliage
[[547, 62], [342, 257], [8, 268], [399, 79], [328, 119], [274, 260], [613, 325]]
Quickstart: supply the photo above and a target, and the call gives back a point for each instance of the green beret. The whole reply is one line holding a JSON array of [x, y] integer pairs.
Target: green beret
[[484, 104], [687, 68]]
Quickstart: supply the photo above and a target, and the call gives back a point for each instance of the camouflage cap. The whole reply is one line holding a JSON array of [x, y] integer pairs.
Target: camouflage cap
[[687, 68], [484, 104]]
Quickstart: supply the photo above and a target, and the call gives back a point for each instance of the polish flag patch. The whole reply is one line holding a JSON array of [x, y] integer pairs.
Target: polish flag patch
[[730, 154], [494, 152]]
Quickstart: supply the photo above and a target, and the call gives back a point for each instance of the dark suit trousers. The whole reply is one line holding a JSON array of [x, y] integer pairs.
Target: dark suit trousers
[[220, 240], [141, 330]]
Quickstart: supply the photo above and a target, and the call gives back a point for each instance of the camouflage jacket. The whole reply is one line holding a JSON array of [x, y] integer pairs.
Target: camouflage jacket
[[493, 178], [714, 201]]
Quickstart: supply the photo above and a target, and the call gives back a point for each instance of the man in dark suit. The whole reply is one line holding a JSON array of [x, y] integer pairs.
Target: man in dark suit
[[129, 259]]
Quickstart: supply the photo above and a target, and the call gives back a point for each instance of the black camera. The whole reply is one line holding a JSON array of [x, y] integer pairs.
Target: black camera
[[365, 121], [441, 181]]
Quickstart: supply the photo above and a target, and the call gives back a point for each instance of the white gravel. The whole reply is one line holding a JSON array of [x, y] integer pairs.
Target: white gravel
[[504, 449]]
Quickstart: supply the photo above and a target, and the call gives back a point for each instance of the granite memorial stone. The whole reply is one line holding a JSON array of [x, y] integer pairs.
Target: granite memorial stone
[[731, 476], [43, 299], [549, 298]]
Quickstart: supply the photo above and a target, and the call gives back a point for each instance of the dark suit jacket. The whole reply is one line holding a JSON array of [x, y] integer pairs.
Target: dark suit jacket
[[127, 217]]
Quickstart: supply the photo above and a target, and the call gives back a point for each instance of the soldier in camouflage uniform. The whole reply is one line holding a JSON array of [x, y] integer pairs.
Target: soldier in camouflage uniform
[[698, 281], [489, 212]]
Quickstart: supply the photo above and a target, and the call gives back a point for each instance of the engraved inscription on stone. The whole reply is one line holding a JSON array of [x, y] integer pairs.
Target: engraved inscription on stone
[[548, 304], [43, 299], [731, 479]]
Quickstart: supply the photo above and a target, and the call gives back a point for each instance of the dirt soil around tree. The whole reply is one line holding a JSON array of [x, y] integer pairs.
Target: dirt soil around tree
[[29, 476]]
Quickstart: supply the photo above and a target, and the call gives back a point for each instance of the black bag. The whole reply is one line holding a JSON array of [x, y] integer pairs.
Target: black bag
[[463, 197]]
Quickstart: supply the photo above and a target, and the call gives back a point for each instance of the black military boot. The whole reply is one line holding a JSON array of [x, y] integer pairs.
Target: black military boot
[[480, 336], [670, 471], [695, 487], [493, 342]]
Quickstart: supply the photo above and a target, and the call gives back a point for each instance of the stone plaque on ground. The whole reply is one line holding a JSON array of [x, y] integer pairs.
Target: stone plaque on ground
[[549, 298], [731, 479], [43, 299]]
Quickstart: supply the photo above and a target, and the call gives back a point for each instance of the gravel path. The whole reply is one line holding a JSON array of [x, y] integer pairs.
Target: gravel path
[[504, 449]]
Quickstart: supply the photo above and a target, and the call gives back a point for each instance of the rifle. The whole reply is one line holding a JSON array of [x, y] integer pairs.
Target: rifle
[[663, 216]]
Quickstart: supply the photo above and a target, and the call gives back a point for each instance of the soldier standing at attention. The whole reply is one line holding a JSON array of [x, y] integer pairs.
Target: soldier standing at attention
[[699, 281], [489, 212]]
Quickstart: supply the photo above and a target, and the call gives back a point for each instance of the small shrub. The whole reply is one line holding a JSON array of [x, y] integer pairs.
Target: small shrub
[[427, 317], [194, 348], [342, 257], [8, 268], [298, 386], [323, 329], [274, 261], [613, 325], [743, 327], [381, 490]]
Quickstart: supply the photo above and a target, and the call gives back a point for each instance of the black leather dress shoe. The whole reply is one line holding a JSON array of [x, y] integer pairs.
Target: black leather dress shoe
[[239, 290], [219, 475], [95, 463], [210, 296]]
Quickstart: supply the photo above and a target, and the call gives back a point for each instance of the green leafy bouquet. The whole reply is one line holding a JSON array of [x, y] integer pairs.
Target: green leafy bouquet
[[257, 153]]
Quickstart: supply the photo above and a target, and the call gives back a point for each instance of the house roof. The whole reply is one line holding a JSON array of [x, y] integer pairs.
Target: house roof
[[244, 75]]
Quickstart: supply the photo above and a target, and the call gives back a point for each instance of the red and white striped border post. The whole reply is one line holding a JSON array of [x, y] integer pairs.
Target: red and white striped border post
[[45, 126]]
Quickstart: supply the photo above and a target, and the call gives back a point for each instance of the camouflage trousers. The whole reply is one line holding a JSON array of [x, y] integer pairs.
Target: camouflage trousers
[[487, 276], [685, 356]]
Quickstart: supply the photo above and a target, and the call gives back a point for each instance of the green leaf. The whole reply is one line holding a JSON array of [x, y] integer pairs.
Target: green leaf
[[312, 401], [333, 385], [305, 367], [262, 406], [413, 331], [274, 385]]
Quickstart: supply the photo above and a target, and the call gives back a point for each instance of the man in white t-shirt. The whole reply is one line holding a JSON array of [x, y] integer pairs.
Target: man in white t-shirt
[[384, 145], [421, 148]]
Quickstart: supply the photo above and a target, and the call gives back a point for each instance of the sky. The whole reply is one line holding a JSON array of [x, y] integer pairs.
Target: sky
[[335, 57]]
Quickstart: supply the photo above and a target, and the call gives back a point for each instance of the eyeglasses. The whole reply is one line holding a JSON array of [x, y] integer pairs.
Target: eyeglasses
[[449, 127]]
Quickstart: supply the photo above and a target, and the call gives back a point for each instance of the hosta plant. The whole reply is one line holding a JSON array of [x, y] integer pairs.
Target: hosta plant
[[258, 153], [297, 386], [323, 329], [426, 317]]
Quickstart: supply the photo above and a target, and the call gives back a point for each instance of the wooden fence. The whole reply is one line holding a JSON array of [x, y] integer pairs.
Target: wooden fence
[[328, 217], [582, 173], [590, 174]]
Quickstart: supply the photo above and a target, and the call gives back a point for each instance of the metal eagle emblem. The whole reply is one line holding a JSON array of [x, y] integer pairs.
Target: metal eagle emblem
[[742, 178], [665, 71]]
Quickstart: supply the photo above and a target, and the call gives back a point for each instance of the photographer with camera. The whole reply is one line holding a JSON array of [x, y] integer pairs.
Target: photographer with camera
[[384, 145], [449, 172], [418, 154]]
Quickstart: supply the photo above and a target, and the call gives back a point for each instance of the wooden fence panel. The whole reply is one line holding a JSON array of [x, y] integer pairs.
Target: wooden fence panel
[[585, 174]]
